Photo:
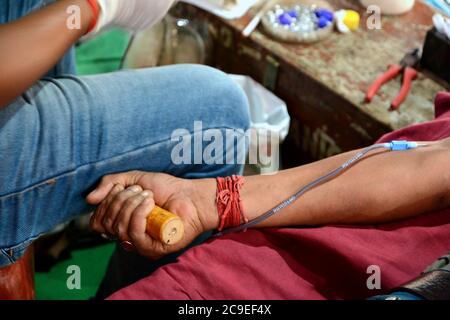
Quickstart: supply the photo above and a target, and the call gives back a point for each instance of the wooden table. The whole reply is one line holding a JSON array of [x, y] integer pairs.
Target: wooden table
[[324, 84]]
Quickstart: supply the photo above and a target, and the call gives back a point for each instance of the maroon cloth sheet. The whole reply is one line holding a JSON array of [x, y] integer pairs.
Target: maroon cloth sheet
[[309, 263]]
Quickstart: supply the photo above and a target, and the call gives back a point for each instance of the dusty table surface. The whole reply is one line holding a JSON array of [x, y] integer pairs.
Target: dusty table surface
[[348, 64]]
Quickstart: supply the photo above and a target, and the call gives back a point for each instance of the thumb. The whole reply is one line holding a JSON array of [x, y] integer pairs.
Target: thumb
[[108, 182]]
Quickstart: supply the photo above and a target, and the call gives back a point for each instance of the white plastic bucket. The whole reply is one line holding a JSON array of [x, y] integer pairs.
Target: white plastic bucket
[[269, 118]]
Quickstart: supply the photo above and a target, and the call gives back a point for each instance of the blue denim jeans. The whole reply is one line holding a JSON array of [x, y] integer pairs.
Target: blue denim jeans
[[66, 132]]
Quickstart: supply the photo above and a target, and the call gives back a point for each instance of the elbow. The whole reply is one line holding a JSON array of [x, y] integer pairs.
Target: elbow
[[445, 172], [3, 102], [445, 198], [442, 157], [5, 97]]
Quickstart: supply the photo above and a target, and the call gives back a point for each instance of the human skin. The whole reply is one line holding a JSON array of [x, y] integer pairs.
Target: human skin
[[33, 44], [383, 187]]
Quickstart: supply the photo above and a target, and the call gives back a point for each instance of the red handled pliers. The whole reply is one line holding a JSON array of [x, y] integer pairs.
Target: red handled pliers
[[407, 65]]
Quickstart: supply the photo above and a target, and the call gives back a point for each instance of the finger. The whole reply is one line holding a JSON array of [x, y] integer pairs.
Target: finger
[[122, 221], [137, 228], [108, 182], [102, 208], [97, 217], [115, 206]]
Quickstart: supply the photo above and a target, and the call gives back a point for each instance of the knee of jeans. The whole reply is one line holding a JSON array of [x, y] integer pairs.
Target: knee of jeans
[[222, 95]]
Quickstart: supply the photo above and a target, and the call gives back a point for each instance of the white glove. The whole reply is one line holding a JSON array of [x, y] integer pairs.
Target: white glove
[[133, 15]]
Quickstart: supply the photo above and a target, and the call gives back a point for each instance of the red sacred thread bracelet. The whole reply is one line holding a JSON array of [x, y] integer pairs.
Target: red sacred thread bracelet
[[96, 12], [228, 200]]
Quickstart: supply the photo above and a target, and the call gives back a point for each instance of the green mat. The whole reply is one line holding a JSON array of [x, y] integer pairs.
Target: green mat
[[100, 55], [90, 265]]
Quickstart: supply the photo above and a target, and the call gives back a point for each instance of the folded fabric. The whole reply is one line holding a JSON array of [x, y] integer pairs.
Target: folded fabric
[[332, 262]]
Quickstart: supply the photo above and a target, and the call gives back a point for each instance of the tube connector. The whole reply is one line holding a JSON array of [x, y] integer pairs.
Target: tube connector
[[401, 145]]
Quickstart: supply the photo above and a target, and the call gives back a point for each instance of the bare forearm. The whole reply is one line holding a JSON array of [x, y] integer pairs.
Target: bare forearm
[[33, 44], [384, 187]]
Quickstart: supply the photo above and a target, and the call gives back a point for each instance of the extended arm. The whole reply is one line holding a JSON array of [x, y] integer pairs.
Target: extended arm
[[383, 187], [32, 45]]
